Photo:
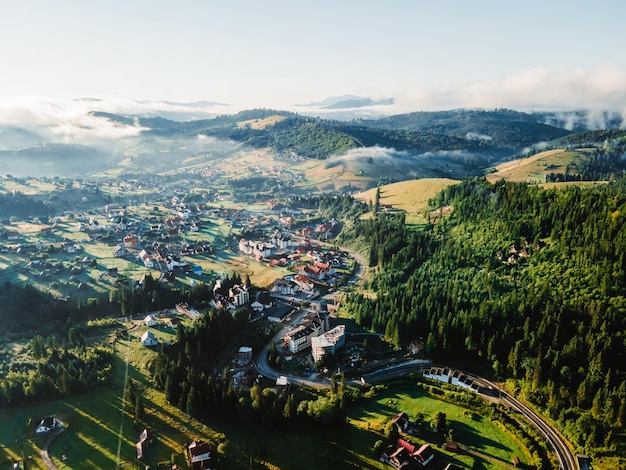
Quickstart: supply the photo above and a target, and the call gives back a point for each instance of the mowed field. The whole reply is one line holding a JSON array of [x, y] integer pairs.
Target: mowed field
[[410, 196]]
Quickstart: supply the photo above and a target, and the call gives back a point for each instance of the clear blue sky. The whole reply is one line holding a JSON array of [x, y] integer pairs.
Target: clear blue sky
[[427, 54]]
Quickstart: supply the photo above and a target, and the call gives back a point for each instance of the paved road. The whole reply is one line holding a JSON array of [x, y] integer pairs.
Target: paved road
[[567, 461]]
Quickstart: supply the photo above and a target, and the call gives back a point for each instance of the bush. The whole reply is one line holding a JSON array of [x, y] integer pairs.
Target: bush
[[377, 448]]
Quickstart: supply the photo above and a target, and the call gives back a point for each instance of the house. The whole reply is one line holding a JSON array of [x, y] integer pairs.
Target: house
[[12, 235], [401, 421], [262, 302], [148, 339], [130, 241], [145, 438], [416, 346], [174, 322], [145, 258], [199, 455], [424, 455], [404, 455], [150, 320], [304, 283], [282, 384], [47, 424], [119, 251], [244, 354]]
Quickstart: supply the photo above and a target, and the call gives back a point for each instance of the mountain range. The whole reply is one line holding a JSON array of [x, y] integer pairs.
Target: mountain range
[[476, 139]]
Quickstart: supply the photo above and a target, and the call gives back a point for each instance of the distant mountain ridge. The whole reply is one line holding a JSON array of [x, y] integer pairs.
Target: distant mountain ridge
[[473, 139], [349, 102]]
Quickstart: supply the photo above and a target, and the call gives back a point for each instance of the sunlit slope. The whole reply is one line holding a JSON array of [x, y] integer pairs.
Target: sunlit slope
[[535, 168], [411, 196]]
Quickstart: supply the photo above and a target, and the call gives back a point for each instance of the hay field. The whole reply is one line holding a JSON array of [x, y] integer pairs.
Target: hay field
[[534, 169], [410, 196]]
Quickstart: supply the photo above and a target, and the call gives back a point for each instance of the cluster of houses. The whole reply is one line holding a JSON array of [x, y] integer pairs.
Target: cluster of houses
[[199, 453]]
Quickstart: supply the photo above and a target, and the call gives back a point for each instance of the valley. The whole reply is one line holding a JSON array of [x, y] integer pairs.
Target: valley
[[201, 239]]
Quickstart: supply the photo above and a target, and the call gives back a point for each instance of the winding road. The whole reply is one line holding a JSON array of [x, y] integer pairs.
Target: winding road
[[553, 437]]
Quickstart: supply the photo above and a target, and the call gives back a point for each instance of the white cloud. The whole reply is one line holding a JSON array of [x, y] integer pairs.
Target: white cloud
[[602, 86], [72, 121]]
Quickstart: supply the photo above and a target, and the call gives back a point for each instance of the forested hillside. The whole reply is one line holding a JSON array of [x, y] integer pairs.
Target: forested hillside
[[529, 281], [499, 127], [485, 133]]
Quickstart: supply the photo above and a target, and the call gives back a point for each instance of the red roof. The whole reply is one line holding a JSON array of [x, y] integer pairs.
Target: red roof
[[407, 445]]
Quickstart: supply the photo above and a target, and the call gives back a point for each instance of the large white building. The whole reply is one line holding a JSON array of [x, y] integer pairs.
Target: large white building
[[330, 342]]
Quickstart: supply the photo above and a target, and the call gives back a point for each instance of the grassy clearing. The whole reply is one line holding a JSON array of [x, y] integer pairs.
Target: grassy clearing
[[259, 124], [94, 420], [534, 169], [410, 196]]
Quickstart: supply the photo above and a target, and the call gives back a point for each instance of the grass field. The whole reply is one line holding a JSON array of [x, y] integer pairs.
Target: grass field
[[261, 123], [101, 433], [534, 169], [410, 196], [477, 432]]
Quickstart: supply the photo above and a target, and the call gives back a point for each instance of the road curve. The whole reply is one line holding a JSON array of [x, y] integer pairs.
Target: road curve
[[566, 460], [553, 437]]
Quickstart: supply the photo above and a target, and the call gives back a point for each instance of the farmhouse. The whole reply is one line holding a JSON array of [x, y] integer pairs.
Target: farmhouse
[[199, 454], [145, 438], [404, 454], [148, 339], [47, 424]]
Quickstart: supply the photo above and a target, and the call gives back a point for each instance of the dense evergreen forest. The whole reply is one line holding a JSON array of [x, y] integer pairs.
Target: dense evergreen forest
[[527, 280], [56, 368], [17, 204]]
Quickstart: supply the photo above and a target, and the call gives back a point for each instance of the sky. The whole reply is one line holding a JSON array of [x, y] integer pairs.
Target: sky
[[427, 55]]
